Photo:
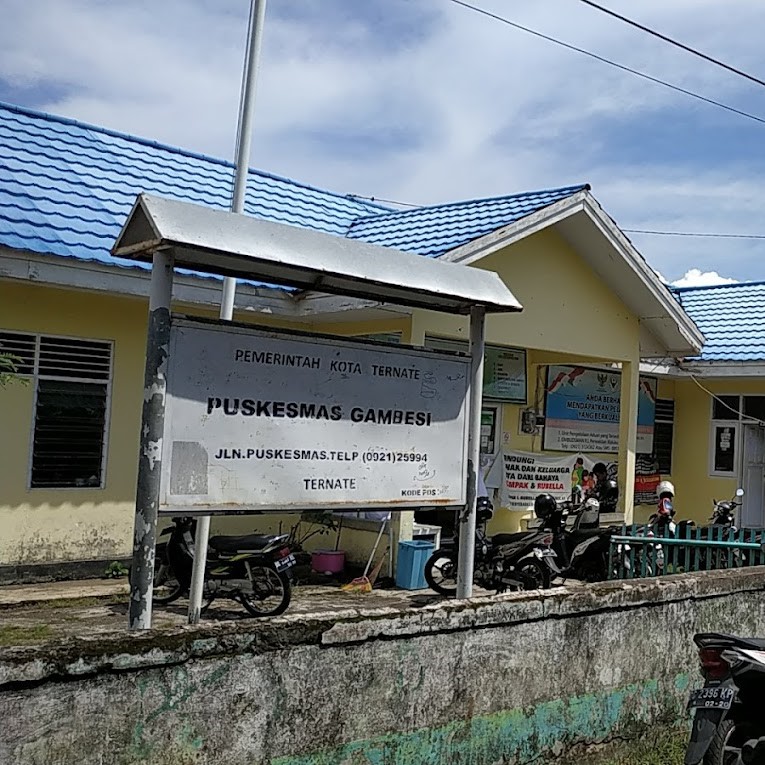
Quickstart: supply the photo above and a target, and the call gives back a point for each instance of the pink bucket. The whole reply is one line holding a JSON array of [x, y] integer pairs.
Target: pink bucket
[[328, 561]]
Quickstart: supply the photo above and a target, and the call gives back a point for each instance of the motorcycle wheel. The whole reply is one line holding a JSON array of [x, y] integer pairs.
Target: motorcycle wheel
[[271, 592], [167, 588], [725, 748], [441, 573], [536, 573]]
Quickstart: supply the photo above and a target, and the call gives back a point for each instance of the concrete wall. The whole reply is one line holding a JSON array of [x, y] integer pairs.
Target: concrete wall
[[504, 680]]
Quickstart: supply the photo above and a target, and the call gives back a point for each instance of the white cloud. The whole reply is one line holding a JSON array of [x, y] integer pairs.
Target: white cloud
[[697, 278], [459, 107]]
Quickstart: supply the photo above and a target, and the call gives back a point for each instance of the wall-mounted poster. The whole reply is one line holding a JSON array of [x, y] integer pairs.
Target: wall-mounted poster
[[504, 369], [526, 475], [582, 410]]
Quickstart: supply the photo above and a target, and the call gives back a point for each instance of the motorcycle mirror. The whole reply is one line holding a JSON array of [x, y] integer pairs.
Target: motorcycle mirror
[[739, 492]]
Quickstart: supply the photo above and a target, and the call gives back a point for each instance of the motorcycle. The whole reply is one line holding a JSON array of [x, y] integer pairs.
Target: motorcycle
[[501, 561], [724, 513], [722, 526], [581, 552], [252, 569], [728, 709]]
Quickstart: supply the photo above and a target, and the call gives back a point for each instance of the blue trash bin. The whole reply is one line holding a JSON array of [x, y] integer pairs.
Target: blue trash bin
[[410, 567]]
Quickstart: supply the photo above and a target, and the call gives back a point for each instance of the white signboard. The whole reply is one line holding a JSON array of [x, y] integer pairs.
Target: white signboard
[[259, 420]]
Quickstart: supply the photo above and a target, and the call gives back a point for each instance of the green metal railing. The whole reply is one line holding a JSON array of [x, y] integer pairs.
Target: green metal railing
[[637, 552]]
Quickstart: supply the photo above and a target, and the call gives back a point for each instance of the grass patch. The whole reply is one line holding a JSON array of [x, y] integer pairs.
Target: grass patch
[[665, 748], [112, 600], [64, 603], [20, 635]]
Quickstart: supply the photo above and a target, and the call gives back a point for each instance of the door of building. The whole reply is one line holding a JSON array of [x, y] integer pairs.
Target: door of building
[[753, 478]]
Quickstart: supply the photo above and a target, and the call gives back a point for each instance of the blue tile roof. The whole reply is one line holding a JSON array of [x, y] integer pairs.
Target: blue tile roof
[[437, 229], [66, 188], [732, 318]]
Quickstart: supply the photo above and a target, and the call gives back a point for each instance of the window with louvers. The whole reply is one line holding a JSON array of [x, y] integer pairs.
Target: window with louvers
[[18, 351], [72, 378], [663, 433]]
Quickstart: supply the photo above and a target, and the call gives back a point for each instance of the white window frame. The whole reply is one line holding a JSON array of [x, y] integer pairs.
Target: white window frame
[[735, 425], [35, 378], [738, 442]]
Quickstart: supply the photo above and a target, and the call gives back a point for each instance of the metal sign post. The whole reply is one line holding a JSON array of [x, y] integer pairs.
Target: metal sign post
[[152, 432], [407, 413], [243, 142], [468, 515]]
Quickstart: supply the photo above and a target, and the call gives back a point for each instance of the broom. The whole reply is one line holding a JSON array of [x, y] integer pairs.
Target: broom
[[364, 583]]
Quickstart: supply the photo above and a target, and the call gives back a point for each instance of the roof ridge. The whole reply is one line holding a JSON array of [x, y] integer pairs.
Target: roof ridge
[[481, 200], [757, 283], [47, 116]]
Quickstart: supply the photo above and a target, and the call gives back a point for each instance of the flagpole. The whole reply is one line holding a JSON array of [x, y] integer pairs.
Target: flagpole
[[243, 143]]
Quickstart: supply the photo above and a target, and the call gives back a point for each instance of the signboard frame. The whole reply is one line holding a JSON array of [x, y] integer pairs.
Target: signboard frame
[[323, 344]]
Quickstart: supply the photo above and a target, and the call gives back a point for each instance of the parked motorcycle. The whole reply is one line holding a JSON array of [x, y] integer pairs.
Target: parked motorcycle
[[252, 569], [722, 526], [728, 709], [724, 513], [501, 562], [581, 551]]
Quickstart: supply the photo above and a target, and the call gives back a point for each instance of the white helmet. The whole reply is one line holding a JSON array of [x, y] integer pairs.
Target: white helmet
[[665, 487]]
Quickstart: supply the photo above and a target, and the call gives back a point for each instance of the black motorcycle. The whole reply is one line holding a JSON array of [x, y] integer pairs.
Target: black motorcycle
[[724, 513], [722, 527], [252, 569], [580, 550], [501, 562], [728, 709]]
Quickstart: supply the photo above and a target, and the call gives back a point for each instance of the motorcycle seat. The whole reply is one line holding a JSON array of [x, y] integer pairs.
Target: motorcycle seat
[[721, 639], [580, 535], [506, 539], [240, 544]]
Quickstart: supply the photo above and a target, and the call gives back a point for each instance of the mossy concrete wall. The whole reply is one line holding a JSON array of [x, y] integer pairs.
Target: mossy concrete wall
[[504, 680]]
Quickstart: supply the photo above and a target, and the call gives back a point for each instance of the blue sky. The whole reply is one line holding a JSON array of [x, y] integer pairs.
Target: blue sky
[[424, 101]]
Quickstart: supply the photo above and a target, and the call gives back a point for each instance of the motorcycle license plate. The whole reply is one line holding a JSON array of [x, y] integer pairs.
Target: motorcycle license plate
[[716, 697], [284, 563]]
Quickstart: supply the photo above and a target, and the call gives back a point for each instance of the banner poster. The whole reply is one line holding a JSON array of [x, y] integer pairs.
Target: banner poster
[[526, 475], [647, 478], [582, 410]]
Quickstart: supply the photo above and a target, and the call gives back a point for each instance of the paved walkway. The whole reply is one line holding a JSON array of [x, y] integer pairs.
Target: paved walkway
[[38, 613], [28, 594]]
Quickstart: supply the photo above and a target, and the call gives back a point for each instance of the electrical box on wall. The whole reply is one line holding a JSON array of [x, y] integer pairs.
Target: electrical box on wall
[[531, 421]]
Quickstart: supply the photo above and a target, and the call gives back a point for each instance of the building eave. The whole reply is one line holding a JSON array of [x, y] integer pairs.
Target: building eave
[[94, 276], [584, 224], [723, 369]]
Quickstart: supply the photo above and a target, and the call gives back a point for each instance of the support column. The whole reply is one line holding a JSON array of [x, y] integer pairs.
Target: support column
[[402, 522], [467, 518], [628, 437], [150, 454]]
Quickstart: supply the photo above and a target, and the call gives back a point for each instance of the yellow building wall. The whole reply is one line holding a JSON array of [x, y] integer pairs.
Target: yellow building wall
[[567, 308], [40, 525], [43, 525], [692, 445], [570, 316]]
